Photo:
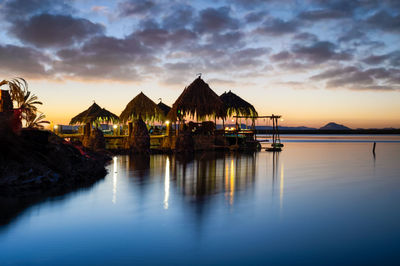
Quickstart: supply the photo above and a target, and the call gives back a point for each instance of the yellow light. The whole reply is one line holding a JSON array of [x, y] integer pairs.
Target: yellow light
[[115, 126], [233, 120], [167, 122], [56, 126]]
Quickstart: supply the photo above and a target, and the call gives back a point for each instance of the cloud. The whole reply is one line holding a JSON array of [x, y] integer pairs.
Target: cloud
[[17, 9], [281, 56], [213, 20], [179, 17], [323, 14], [22, 61], [277, 27], [305, 36], [320, 52], [352, 34], [393, 58], [135, 8], [356, 78], [47, 30], [255, 16], [384, 21], [104, 57], [231, 39]]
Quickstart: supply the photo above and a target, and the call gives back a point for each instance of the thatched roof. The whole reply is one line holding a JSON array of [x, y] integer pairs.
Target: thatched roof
[[197, 100], [165, 108], [233, 104], [142, 106], [94, 113]]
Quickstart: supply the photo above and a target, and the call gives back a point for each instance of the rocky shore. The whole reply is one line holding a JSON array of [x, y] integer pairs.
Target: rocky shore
[[40, 162]]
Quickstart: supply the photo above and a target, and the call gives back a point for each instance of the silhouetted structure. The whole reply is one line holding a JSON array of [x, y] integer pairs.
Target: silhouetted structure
[[198, 101], [141, 106]]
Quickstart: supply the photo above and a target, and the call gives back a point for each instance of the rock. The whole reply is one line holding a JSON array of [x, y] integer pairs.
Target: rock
[[139, 141]]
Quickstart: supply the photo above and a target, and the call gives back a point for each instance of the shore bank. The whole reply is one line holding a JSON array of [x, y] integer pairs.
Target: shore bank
[[38, 162]]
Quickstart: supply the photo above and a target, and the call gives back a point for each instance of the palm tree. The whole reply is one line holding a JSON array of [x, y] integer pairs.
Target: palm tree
[[37, 121], [25, 101]]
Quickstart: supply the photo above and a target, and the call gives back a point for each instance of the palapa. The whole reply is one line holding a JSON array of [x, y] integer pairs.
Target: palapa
[[94, 114], [234, 104], [197, 100], [165, 108], [141, 106]]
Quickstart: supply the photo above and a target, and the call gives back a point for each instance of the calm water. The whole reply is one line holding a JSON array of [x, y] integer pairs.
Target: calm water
[[313, 203]]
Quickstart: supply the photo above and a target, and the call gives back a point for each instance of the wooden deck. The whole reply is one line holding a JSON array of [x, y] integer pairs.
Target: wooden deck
[[114, 142]]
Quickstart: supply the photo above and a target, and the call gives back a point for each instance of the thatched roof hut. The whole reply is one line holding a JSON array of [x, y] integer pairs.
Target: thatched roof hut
[[141, 106], [165, 108], [235, 105], [94, 114], [197, 100]]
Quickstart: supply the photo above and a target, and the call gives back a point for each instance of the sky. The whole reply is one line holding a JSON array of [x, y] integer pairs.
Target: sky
[[311, 61]]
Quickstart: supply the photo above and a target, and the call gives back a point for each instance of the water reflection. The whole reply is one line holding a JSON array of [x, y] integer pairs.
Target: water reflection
[[166, 184], [220, 209], [214, 173], [115, 171]]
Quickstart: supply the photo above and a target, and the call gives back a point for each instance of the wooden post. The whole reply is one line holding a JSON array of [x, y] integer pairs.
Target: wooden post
[[167, 128], [130, 128], [86, 129], [373, 148]]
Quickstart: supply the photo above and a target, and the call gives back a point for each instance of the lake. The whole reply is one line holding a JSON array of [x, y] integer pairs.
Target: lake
[[317, 202]]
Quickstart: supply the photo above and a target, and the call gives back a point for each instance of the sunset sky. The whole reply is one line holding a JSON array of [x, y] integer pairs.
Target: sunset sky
[[311, 61]]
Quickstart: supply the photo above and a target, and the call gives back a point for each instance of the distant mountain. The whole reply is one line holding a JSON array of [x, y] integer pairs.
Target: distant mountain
[[334, 126]]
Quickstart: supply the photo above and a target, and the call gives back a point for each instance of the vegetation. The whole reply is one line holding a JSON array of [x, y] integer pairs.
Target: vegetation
[[27, 102]]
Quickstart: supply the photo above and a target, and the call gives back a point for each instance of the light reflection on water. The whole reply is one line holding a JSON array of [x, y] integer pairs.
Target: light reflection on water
[[313, 203]]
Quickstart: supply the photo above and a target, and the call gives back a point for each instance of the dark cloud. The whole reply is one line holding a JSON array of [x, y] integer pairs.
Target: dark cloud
[[255, 16], [320, 52], [342, 5], [135, 7], [277, 27], [215, 20], [306, 36], [160, 38], [358, 79], [323, 14], [352, 34], [22, 61], [393, 58], [249, 57], [375, 59], [385, 21], [105, 57], [281, 56], [180, 17], [232, 39], [21, 9], [333, 73], [47, 30]]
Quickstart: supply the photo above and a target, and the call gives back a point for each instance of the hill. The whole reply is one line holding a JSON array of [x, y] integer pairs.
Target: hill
[[334, 126]]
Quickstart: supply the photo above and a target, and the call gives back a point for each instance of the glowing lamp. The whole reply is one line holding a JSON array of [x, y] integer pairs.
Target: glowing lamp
[[167, 122], [56, 126], [115, 126]]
